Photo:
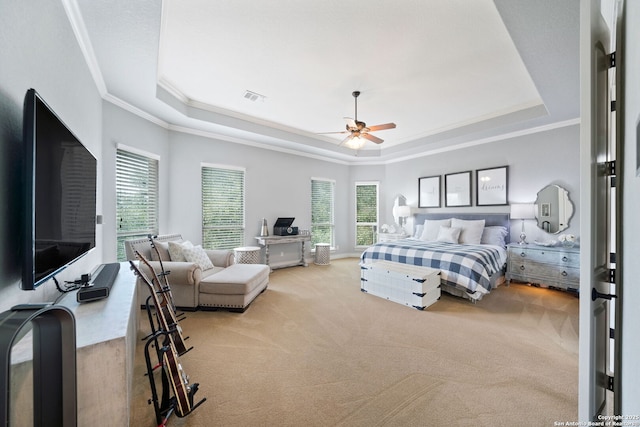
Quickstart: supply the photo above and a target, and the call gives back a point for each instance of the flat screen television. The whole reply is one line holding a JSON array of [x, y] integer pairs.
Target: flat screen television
[[59, 194]]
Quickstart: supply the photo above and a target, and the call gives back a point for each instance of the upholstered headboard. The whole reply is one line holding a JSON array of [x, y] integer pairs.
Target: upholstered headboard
[[489, 218]]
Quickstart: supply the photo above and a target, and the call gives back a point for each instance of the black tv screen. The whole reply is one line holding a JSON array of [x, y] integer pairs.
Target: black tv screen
[[60, 194]]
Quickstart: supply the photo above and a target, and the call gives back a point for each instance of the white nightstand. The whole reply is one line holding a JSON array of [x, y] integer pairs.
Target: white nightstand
[[556, 267]]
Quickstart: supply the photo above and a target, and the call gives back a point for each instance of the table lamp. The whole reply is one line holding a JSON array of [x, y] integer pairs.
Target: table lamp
[[523, 211]]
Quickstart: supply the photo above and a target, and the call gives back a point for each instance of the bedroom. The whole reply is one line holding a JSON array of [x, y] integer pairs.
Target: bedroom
[[68, 82]]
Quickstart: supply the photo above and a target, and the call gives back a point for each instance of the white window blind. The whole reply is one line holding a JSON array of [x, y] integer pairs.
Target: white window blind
[[322, 211], [366, 213], [222, 207], [136, 197]]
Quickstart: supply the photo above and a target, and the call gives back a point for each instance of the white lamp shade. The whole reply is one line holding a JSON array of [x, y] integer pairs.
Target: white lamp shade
[[523, 211], [403, 211]]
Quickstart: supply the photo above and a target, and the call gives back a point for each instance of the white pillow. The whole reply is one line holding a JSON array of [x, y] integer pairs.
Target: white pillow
[[197, 255], [494, 235], [175, 250], [418, 232], [448, 234], [471, 230], [432, 227]]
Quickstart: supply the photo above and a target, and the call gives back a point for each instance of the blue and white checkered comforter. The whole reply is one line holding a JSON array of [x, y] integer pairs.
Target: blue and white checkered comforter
[[467, 267]]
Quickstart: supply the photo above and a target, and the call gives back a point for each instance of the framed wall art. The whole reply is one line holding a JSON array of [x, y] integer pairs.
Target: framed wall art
[[457, 189], [492, 186], [429, 192]]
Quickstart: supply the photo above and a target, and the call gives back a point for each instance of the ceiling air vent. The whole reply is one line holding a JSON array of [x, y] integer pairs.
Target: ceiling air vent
[[252, 96]]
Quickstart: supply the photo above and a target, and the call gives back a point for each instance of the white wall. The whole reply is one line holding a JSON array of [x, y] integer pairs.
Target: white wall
[[631, 206], [535, 161], [277, 185], [38, 50]]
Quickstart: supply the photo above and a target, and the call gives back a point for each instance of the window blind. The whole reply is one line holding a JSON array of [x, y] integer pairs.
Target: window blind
[[366, 213], [136, 197], [222, 207], [322, 211]]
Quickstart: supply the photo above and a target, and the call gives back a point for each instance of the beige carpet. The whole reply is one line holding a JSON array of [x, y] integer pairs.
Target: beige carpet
[[313, 350]]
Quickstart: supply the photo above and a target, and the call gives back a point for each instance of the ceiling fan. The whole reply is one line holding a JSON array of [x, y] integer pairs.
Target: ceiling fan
[[359, 131]]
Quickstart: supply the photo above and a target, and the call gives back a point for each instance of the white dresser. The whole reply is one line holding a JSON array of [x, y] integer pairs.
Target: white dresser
[[554, 267]]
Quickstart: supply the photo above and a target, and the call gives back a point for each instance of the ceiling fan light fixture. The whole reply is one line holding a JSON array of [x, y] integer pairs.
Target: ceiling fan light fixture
[[356, 143]]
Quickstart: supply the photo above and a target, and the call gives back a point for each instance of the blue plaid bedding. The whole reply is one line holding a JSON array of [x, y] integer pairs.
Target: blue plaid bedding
[[467, 267]]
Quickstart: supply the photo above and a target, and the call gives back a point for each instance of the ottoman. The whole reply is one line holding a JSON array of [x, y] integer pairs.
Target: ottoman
[[234, 287]]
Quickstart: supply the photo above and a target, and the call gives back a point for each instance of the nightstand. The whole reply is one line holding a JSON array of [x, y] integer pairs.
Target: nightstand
[[391, 237], [554, 267]]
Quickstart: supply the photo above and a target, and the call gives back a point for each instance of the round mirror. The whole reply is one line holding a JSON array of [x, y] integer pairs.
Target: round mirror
[[400, 200], [553, 209]]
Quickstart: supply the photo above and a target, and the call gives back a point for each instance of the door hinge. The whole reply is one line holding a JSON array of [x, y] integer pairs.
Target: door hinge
[[612, 333], [613, 106], [595, 295], [609, 168], [609, 383], [612, 59]]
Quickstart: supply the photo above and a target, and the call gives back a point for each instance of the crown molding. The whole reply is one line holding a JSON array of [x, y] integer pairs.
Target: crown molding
[[82, 36]]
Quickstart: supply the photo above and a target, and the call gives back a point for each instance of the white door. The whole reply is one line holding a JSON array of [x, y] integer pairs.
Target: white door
[[595, 202]]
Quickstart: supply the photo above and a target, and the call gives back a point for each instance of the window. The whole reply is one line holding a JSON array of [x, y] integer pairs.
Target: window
[[366, 213], [222, 207], [136, 197], [322, 207]]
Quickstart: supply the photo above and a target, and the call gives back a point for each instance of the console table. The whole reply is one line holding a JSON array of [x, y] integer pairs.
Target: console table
[[268, 241], [106, 333], [556, 267]]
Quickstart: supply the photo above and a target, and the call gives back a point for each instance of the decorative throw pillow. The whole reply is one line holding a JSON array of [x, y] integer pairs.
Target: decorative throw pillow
[[448, 234], [418, 233], [197, 255], [432, 227], [163, 250], [176, 248], [471, 230], [494, 235]]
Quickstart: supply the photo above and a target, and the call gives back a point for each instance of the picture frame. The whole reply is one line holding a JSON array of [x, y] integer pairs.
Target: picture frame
[[429, 192], [457, 189], [492, 186]]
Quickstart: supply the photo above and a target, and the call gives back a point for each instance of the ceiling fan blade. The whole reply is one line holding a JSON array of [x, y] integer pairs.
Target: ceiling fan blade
[[382, 127], [346, 139], [351, 124], [371, 138]]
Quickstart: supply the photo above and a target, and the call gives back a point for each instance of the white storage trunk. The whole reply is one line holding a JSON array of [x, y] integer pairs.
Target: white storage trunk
[[413, 286]]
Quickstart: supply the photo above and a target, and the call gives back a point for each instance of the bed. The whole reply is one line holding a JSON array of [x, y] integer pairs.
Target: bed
[[472, 263]]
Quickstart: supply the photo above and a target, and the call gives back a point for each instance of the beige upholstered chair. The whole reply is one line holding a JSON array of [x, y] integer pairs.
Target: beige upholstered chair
[[225, 285]]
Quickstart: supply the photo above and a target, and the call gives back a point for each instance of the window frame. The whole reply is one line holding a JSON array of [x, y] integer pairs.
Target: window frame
[[153, 161], [376, 224], [332, 222], [239, 227]]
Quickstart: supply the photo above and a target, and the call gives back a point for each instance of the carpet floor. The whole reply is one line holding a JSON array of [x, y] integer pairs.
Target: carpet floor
[[313, 350]]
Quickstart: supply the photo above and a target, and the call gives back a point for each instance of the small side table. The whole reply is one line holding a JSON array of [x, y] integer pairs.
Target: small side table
[[247, 255], [323, 254]]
